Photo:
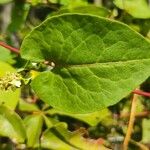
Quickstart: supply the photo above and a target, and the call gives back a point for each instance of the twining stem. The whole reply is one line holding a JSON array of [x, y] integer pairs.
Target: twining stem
[[131, 122], [15, 50]]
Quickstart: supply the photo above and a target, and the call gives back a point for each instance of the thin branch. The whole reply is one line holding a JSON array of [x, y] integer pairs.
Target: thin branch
[[131, 122], [140, 114], [15, 50], [140, 145], [139, 92]]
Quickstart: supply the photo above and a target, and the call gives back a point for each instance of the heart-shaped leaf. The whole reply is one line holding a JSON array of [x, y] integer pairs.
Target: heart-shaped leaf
[[97, 61]]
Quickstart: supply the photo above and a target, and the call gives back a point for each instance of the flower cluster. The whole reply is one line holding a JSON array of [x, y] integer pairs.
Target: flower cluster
[[10, 81]]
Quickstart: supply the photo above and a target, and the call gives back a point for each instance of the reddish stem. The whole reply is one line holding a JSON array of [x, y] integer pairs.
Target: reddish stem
[[139, 92], [15, 50]]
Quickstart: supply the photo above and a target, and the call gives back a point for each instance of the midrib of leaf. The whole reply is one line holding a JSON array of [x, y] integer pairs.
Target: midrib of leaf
[[100, 63]]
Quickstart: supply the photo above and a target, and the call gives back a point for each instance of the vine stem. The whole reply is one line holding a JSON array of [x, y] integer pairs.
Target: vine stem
[[15, 50], [139, 92], [131, 122]]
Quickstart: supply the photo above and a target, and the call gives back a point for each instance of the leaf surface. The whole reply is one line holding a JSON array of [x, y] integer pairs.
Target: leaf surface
[[33, 124], [88, 9], [11, 125], [70, 3], [138, 9], [6, 56], [5, 1], [90, 118], [27, 107], [97, 61], [59, 137]]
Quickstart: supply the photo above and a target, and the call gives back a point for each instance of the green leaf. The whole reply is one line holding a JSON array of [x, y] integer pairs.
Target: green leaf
[[97, 61], [50, 139], [146, 130], [5, 1], [136, 8], [33, 124], [6, 56], [9, 98], [35, 2], [70, 2], [28, 107], [50, 121], [91, 118], [59, 138], [89, 9], [11, 125], [18, 17]]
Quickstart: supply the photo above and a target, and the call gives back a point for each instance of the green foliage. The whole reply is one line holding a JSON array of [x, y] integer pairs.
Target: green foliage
[[91, 118], [19, 14], [136, 8], [28, 107], [33, 124], [5, 1], [11, 125], [88, 9], [76, 72], [6, 56], [36, 2], [58, 137], [70, 3], [96, 61]]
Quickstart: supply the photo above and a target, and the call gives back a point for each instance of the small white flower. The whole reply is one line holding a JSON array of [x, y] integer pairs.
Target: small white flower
[[34, 64], [17, 83]]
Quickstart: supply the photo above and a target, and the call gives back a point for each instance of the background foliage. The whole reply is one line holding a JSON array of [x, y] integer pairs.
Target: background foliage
[[26, 122]]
